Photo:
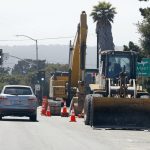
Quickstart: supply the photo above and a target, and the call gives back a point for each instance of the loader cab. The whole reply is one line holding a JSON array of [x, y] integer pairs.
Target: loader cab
[[115, 62]]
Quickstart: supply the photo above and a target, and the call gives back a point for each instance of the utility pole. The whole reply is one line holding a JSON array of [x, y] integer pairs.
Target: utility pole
[[36, 46], [37, 60]]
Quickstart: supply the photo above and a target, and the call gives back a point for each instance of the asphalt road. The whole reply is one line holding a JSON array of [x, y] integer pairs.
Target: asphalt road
[[56, 133]]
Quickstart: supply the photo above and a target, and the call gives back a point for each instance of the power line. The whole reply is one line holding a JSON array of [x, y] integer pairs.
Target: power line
[[13, 40], [41, 39], [22, 59], [56, 38]]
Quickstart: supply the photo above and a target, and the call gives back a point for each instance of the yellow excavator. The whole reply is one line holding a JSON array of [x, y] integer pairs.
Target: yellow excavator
[[114, 99], [77, 56], [63, 85]]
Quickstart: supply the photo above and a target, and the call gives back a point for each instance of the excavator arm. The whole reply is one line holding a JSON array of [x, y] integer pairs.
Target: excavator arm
[[77, 58], [78, 52]]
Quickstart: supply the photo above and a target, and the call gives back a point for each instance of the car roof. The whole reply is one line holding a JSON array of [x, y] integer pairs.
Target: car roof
[[17, 86]]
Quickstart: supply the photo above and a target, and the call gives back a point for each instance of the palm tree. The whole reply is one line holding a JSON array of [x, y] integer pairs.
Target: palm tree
[[103, 14]]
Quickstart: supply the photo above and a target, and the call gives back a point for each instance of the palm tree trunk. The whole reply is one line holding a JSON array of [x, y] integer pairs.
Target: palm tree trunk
[[104, 35]]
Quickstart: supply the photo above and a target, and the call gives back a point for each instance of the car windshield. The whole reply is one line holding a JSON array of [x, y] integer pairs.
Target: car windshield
[[18, 91]]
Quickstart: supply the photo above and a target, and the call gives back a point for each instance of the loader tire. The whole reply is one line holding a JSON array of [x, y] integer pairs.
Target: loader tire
[[87, 109]]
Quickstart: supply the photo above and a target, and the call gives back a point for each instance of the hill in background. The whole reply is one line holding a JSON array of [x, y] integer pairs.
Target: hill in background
[[50, 53]]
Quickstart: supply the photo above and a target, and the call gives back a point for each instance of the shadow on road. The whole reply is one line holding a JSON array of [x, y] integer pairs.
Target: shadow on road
[[123, 129], [17, 120]]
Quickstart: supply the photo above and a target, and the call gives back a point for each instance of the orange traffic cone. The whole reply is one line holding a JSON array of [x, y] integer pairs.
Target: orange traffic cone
[[73, 117], [44, 105], [64, 112], [48, 112]]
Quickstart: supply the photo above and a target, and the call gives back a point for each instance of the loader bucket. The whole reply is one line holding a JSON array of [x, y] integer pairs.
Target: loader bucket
[[120, 113]]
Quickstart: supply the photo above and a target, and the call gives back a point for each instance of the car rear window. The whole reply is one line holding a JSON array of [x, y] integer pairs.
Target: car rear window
[[18, 91]]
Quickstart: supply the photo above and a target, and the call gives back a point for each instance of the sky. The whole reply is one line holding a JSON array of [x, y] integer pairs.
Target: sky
[[41, 19]]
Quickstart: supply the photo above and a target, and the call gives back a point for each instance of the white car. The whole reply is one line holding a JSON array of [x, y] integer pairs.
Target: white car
[[18, 100]]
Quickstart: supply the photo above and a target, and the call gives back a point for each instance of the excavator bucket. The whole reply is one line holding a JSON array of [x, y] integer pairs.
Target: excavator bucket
[[120, 113]]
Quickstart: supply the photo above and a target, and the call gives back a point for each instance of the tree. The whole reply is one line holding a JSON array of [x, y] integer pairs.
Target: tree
[[144, 29], [28, 65], [103, 14], [56, 67], [135, 48], [4, 70], [132, 47]]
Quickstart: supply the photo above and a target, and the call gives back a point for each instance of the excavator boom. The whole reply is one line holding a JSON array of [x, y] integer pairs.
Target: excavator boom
[[78, 52]]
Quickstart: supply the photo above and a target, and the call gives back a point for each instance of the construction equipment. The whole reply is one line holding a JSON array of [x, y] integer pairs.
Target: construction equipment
[[77, 57], [69, 86], [58, 82], [116, 100], [55, 107], [57, 91]]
